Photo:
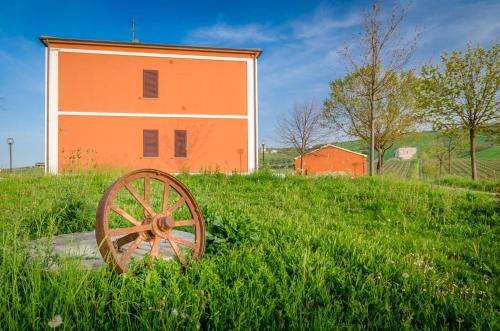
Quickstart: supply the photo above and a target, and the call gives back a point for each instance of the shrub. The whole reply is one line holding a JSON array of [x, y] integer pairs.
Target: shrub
[[231, 228]]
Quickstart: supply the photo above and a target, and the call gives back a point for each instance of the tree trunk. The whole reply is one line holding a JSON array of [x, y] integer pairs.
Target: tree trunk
[[302, 165], [440, 167], [449, 162], [472, 137], [372, 143], [380, 160]]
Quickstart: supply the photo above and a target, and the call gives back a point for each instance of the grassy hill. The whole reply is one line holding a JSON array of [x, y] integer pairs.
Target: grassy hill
[[491, 153], [486, 149], [295, 253]]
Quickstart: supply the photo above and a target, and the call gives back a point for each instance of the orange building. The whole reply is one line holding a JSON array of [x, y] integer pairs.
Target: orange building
[[135, 105], [330, 159]]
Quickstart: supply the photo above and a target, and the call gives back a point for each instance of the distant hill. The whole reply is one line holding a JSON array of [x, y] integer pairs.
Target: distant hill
[[486, 150]]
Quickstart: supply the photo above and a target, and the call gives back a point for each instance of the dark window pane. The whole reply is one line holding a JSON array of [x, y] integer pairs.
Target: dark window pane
[[150, 84], [150, 143], [180, 144]]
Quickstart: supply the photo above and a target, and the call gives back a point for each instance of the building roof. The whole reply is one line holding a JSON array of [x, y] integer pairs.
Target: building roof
[[333, 146], [47, 40]]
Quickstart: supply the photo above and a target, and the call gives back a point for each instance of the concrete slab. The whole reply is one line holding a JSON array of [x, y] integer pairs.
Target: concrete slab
[[83, 246]]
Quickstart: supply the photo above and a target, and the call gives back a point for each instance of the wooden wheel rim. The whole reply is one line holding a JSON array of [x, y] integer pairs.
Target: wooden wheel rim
[[154, 227]]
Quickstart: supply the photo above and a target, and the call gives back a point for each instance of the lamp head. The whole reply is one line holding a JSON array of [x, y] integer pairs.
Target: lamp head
[[10, 140]]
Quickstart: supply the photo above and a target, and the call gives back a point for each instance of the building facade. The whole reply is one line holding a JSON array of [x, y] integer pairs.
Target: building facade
[[331, 159], [405, 153], [134, 105]]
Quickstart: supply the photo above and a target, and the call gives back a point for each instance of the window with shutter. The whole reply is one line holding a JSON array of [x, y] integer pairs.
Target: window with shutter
[[150, 143], [150, 83], [180, 143]]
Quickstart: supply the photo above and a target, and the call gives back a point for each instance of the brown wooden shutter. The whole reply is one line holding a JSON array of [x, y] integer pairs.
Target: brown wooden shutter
[[180, 143], [150, 143], [150, 83]]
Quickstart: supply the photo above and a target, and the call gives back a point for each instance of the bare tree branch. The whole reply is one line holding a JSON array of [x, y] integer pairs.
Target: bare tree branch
[[301, 129]]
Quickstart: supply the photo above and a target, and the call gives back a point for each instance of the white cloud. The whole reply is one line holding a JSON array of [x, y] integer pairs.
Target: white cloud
[[322, 22], [220, 32], [460, 22]]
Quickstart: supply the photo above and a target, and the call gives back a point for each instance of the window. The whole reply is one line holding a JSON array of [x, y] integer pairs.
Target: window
[[150, 83], [150, 143], [180, 143]]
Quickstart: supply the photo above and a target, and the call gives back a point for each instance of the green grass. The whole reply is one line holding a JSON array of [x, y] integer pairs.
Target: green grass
[[399, 168], [460, 167], [479, 185], [492, 153], [330, 253]]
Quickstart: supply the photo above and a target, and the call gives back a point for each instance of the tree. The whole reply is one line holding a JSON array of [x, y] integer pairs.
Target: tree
[[463, 92], [445, 145], [453, 140], [348, 110], [437, 151], [301, 129], [381, 54]]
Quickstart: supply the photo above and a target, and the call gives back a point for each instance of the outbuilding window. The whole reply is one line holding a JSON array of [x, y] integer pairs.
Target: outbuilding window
[[150, 143], [150, 83], [180, 143]]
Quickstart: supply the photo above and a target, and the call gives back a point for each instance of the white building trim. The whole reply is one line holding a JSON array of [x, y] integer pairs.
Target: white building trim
[[251, 115], [149, 54], [53, 105], [115, 114], [46, 109], [256, 89]]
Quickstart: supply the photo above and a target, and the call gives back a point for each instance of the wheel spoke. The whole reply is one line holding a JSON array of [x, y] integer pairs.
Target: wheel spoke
[[176, 249], [130, 250], [176, 205], [181, 241], [184, 223], [166, 187], [155, 246], [132, 229], [124, 240], [141, 201], [147, 182], [125, 215]]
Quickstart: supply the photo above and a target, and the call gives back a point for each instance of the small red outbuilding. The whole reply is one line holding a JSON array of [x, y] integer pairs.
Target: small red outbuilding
[[331, 159]]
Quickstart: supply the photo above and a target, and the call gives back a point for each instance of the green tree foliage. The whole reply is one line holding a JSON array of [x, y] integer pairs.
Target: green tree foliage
[[462, 91], [348, 109], [378, 54]]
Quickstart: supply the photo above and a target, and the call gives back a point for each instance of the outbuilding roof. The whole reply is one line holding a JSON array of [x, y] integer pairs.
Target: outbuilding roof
[[330, 145], [47, 40]]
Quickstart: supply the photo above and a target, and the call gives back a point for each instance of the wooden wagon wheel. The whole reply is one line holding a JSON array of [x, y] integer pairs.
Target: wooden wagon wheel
[[152, 229]]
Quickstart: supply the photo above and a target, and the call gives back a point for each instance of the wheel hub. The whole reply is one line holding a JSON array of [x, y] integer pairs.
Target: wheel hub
[[161, 225]]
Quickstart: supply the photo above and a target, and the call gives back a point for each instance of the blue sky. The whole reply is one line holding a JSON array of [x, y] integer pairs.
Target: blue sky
[[300, 40]]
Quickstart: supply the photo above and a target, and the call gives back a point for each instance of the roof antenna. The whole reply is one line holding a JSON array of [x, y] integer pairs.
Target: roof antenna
[[132, 29]]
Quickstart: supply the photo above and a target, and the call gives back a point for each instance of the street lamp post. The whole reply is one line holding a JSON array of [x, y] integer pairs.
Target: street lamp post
[[10, 141], [263, 151]]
